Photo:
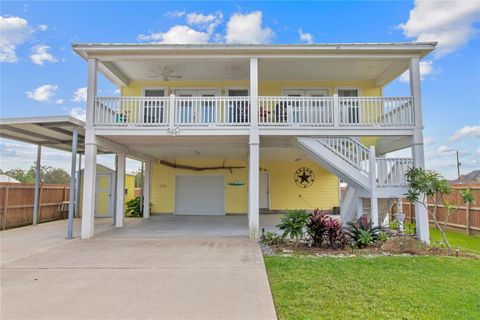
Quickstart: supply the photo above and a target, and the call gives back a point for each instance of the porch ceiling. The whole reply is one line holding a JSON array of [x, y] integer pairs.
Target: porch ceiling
[[380, 62]]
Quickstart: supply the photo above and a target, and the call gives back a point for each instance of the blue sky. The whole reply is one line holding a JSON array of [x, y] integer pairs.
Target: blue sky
[[40, 75]]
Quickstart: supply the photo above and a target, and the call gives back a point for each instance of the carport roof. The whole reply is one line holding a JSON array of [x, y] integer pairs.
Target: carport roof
[[52, 132]]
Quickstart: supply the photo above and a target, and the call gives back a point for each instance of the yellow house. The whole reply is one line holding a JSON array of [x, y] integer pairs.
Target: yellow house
[[242, 129], [105, 188]]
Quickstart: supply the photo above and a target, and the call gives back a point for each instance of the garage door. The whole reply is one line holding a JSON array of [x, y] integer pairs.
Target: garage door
[[199, 195]]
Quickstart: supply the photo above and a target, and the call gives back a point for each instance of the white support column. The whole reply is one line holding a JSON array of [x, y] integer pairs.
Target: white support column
[[171, 112], [254, 155], [71, 206], [89, 189], [77, 188], [90, 169], [120, 198], [146, 190], [253, 189], [36, 195], [336, 111], [421, 213], [254, 92], [373, 186]]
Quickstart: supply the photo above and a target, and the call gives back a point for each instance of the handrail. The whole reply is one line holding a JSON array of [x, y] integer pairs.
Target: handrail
[[349, 150], [391, 171]]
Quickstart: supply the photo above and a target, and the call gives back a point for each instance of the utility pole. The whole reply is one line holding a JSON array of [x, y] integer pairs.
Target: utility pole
[[458, 166]]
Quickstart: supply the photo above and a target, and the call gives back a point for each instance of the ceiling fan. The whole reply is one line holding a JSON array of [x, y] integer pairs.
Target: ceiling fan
[[166, 74]]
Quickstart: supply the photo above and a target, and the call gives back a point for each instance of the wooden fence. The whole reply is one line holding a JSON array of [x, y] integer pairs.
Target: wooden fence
[[458, 219], [16, 203]]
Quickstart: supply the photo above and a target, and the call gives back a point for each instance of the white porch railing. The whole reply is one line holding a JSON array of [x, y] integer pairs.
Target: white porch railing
[[275, 111], [349, 150], [205, 111], [291, 111], [391, 171], [141, 111]]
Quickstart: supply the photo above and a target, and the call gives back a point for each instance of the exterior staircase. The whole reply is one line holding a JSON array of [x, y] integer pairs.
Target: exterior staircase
[[369, 178]]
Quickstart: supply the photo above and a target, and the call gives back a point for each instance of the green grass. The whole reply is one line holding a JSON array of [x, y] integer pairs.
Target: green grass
[[458, 240], [421, 287]]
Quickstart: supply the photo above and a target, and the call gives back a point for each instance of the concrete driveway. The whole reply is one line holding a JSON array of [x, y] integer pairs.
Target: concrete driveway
[[197, 268]]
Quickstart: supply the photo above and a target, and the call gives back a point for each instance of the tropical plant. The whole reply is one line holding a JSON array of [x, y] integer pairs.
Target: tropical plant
[[449, 210], [336, 237], [134, 207], [317, 227], [468, 198], [271, 238], [293, 223], [363, 233], [425, 184]]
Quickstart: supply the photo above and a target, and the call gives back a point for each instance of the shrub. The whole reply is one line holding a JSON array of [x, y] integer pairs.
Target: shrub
[[317, 227], [293, 223], [271, 238], [134, 208], [363, 233], [324, 230]]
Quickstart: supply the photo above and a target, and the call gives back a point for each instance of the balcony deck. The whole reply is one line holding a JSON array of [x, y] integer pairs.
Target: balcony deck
[[276, 112]]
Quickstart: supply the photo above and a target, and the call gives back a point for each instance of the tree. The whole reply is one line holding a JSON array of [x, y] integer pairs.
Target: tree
[[424, 184], [48, 175], [468, 198]]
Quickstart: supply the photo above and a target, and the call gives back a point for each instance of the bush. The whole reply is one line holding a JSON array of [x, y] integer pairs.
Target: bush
[[324, 230], [363, 233], [271, 238], [134, 208], [317, 227], [293, 223]]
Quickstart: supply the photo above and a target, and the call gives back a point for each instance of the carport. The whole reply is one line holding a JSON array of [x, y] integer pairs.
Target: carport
[[57, 132]]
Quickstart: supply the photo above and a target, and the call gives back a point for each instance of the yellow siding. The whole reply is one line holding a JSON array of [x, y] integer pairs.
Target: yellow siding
[[130, 186], [265, 88], [284, 193]]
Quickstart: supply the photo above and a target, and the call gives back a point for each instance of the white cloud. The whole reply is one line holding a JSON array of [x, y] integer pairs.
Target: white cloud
[[207, 22], [40, 55], [466, 131], [43, 93], [444, 149], [247, 28], [175, 14], [59, 101], [13, 32], [426, 69], [176, 34], [451, 23], [305, 36], [80, 95], [428, 141], [78, 113], [43, 27]]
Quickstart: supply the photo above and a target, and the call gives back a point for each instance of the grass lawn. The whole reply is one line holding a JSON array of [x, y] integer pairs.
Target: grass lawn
[[421, 287], [458, 240]]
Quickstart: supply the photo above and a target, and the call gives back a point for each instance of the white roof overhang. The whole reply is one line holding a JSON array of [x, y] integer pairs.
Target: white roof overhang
[[380, 62]]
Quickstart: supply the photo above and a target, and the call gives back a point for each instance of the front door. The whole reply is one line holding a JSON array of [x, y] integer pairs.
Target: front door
[[307, 112], [264, 190], [103, 196]]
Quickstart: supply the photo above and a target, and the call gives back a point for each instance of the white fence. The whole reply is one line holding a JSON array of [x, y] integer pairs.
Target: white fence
[[391, 171], [272, 111]]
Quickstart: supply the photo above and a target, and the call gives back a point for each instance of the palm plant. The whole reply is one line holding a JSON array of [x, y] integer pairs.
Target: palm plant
[[363, 232], [293, 224]]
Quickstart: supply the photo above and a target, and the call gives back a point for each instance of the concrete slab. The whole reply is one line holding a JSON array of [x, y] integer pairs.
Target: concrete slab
[[136, 272]]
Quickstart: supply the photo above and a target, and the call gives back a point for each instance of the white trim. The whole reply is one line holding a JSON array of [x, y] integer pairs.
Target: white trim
[[164, 88], [228, 88], [198, 175], [305, 88], [218, 89], [349, 88]]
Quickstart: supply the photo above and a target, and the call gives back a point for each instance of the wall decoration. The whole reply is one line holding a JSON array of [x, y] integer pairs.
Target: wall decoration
[[304, 177], [236, 183]]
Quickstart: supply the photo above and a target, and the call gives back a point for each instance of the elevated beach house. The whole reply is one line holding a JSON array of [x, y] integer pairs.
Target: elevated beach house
[[241, 129]]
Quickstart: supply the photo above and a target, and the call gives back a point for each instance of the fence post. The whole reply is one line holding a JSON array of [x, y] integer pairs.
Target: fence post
[[39, 203], [5, 206]]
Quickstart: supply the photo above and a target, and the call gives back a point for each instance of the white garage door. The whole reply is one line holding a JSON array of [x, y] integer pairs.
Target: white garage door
[[199, 195]]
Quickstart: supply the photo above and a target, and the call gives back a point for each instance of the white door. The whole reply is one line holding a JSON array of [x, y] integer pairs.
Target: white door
[[264, 190], [200, 195], [307, 112], [153, 110], [350, 110], [192, 111]]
